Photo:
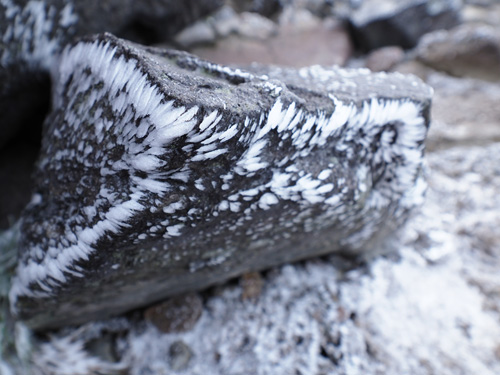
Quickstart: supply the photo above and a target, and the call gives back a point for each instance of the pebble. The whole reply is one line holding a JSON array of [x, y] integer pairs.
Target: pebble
[[251, 284], [385, 58], [177, 314], [180, 355]]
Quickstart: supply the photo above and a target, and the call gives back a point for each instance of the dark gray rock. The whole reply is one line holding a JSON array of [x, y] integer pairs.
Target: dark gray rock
[[32, 34], [378, 24], [161, 173]]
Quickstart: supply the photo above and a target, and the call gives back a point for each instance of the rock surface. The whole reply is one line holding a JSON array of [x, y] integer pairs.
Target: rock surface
[[34, 32], [177, 314], [432, 310], [465, 51], [148, 153], [475, 123]]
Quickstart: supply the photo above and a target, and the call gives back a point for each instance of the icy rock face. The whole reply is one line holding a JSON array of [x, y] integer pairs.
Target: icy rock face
[[33, 33], [161, 173]]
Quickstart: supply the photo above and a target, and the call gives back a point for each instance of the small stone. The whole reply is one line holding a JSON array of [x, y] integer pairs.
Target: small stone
[[299, 19], [251, 283], [482, 13], [267, 8], [497, 352], [255, 26], [199, 33], [225, 21], [415, 68], [180, 354], [177, 314], [385, 58]]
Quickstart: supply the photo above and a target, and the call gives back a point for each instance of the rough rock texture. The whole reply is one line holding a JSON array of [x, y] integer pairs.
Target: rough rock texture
[[465, 51], [377, 24], [32, 34], [161, 173], [434, 309]]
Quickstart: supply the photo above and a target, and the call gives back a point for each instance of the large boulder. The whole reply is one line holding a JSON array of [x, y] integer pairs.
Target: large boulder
[[162, 173]]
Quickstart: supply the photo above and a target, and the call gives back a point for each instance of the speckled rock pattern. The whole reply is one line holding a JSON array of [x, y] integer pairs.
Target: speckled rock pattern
[[161, 173]]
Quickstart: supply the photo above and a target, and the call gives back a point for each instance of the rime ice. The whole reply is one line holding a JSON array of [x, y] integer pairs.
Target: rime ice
[[162, 173]]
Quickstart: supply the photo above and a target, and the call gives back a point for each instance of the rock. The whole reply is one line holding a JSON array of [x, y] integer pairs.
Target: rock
[[488, 13], [465, 51], [161, 19], [198, 33], [312, 319], [17, 161], [34, 32], [255, 26], [326, 42], [300, 19], [414, 67], [225, 21], [401, 23], [476, 121], [251, 284], [385, 58], [177, 314], [180, 354], [161, 173], [319, 8]]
